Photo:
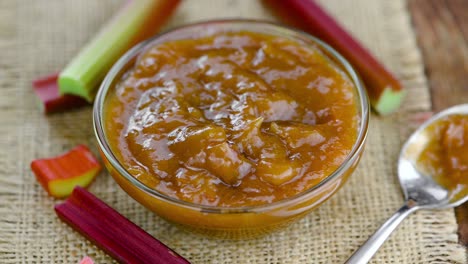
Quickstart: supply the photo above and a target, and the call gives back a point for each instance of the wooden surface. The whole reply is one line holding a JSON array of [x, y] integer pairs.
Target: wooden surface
[[442, 30]]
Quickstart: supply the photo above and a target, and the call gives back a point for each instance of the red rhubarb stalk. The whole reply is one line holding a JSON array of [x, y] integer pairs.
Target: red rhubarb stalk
[[59, 175], [112, 232], [46, 89], [384, 89], [87, 260]]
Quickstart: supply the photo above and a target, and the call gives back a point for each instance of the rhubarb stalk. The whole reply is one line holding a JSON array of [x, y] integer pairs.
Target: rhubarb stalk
[[112, 232], [384, 89], [52, 101], [59, 175], [87, 260], [136, 21]]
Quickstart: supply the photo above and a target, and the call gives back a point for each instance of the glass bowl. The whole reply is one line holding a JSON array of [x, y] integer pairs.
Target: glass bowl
[[229, 222]]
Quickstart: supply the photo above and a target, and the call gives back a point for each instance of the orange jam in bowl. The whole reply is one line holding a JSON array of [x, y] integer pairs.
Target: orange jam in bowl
[[231, 128]]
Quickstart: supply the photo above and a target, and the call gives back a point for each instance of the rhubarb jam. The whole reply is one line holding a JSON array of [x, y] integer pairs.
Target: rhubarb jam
[[233, 119], [446, 155]]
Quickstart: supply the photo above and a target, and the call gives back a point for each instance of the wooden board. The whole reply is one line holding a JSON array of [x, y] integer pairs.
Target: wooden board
[[442, 31]]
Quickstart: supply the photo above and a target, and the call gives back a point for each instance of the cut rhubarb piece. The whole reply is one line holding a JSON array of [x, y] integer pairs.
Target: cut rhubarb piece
[[384, 89], [46, 89], [59, 175], [112, 232], [87, 260], [135, 22]]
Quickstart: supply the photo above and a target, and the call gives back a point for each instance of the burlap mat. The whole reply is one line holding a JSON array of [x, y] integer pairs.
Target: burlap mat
[[39, 36]]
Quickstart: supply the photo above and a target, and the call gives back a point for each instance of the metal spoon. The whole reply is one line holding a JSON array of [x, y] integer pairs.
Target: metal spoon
[[420, 190]]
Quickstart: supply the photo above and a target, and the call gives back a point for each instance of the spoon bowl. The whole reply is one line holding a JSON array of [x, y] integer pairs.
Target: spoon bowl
[[420, 189], [417, 186]]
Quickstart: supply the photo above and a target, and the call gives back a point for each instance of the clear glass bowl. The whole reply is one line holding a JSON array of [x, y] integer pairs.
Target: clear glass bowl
[[229, 222]]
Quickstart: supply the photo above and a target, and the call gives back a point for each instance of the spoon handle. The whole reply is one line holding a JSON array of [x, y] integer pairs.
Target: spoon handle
[[370, 247]]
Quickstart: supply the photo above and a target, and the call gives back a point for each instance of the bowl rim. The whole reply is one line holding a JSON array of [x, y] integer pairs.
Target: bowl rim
[[98, 114]]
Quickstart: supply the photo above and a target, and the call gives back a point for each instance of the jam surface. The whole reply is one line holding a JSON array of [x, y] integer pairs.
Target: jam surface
[[446, 155], [233, 119]]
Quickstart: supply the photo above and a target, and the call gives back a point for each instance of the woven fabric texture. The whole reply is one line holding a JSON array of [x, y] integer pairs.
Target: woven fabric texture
[[38, 37]]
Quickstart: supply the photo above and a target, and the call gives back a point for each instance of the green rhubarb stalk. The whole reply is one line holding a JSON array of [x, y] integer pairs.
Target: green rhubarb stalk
[[136, 21]]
